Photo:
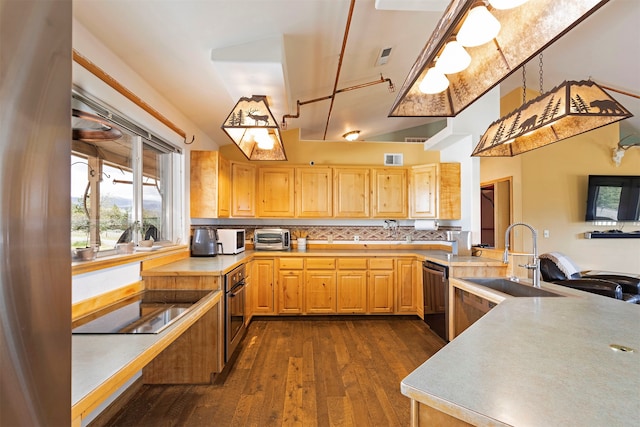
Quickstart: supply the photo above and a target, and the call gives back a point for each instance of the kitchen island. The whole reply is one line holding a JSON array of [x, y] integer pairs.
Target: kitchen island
[[536, 362]]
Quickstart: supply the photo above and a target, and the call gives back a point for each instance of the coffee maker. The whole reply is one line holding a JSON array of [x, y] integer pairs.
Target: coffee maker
[[204, 242]]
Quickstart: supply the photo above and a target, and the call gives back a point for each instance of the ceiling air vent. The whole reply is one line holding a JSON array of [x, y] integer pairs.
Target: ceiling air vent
[[394, 159], [419, 139]]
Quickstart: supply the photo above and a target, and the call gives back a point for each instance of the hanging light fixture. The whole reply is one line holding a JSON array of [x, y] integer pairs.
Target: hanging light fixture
[[479, 27], [526, 29], [569, 109], [434, 82], [351, 135], [252, 127], [453, 58]]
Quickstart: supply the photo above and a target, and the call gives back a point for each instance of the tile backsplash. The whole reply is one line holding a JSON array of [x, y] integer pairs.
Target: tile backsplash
[[349, 233]]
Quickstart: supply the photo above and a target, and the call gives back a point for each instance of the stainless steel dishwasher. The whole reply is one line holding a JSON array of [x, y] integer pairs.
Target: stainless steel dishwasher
[[435, 282]]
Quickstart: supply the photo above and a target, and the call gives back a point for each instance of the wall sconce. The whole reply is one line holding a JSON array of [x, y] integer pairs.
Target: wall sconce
[[569, 109], [525, 29], [252, 127], [351, 135]]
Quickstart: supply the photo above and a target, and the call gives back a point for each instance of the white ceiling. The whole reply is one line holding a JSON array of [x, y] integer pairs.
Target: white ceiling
[[289, 50]]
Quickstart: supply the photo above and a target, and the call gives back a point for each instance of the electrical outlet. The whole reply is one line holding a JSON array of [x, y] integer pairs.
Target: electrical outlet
[[356, 238], [545, 233]]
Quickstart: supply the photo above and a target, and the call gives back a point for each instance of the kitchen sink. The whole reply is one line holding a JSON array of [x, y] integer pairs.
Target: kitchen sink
[[510, 287]]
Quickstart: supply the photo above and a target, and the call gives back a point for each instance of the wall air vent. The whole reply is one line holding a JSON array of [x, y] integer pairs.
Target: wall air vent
[[419, 139], [393, 159]]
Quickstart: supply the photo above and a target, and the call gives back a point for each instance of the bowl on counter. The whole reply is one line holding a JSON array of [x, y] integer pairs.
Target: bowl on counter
[[145, 243], [85, 254]]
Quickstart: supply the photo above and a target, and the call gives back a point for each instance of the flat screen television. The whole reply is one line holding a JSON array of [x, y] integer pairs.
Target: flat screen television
[[613, 198]]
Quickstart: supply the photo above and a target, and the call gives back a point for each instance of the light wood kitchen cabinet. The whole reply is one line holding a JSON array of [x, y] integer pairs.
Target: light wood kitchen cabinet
[[320, 286], [248, 283], [435, 191], [314, 192], [380, 285], [351, 192], [262, 286], [209, 185], [290, 285], [276, 192], [243, 190], [406, 289], [352, 285], [389, 188]]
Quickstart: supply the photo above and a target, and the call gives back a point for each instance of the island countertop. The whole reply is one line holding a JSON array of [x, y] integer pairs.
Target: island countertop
[[539, 362]]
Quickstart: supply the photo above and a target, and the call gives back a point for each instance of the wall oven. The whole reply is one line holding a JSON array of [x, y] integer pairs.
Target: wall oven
[[234, 315]]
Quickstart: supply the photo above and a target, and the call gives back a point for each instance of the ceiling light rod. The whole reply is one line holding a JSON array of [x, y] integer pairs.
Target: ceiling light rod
[[341, 57], [324, 98]]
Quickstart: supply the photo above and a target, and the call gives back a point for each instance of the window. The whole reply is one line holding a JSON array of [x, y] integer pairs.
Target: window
[[122, 180]]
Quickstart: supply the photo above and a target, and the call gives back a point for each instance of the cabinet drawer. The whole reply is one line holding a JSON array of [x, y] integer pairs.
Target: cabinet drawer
[[291, 263], [352, 263], [321, 263], [381, 263]]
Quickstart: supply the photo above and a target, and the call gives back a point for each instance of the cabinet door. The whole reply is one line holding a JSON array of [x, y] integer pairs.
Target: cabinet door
[[290, 286], [224, 188], [314, 192], [276, 192], [449, 191], [389, 193], [243, 190], [352, 291], [207, 180], [351, 192], [423, 191], [406, 287], [380, 291], [262, 284], [320, 291]]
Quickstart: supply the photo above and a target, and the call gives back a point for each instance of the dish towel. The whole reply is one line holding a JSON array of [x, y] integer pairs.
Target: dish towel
[[563, 262]]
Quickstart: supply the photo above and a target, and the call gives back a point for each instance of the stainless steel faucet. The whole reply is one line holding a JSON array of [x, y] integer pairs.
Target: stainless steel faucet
[[536, 262]]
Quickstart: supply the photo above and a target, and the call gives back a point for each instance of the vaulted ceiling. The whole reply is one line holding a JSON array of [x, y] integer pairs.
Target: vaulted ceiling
[[204, 55]]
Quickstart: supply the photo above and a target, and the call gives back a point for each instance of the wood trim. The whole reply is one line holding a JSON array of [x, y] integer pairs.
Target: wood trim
[[160, 261], [113, 83], [114, 407], [82, 267], [92, 304]]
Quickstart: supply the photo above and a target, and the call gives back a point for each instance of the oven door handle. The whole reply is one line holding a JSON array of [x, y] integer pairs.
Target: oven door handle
[[237, 288]]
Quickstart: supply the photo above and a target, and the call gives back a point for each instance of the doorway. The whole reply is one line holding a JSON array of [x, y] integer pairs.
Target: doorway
[[495, 211]]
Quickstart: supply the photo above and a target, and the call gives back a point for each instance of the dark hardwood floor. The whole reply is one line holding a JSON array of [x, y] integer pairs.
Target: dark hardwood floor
[[331, 371]]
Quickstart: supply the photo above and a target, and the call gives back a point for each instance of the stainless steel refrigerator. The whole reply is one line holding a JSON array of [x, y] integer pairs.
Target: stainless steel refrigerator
[[35, 203]]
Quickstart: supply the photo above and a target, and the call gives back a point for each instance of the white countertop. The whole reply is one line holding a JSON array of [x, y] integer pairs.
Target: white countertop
[[539, 362]]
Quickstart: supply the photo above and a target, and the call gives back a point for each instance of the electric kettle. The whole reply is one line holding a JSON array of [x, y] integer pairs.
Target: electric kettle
[[204, 242]]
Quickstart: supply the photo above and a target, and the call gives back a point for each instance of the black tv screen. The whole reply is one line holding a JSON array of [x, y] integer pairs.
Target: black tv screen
[[613, 198]]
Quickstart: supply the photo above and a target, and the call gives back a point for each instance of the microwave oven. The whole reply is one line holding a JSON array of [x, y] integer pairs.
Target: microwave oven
[[272, 239], [231, 240]]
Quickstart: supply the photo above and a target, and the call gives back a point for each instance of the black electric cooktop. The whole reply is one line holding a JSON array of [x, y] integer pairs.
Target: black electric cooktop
[[148, 312]]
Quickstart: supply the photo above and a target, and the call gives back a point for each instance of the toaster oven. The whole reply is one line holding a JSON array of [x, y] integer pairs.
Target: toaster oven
[[271, 239]]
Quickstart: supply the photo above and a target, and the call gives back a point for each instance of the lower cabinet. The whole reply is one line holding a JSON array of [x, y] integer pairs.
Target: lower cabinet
[[406, 288], [320, 291], [352, 291], [290, 286], [381, 285], [262, 290]]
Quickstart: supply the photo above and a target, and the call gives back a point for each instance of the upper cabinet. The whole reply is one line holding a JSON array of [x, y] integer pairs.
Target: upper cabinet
[[243, 190], [314, 192], [351, 192], [435, 191], [276, 192], [389, 193], [222, 189], [210, 185]]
